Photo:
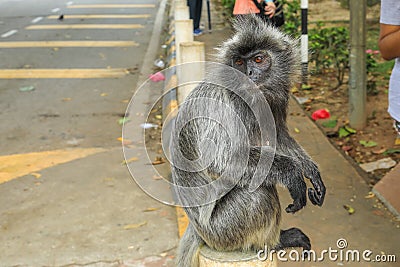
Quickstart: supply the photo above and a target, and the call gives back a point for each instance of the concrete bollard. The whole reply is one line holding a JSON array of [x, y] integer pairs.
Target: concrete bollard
[[211, 258], [183, 33], [181, 13], [187, 75]]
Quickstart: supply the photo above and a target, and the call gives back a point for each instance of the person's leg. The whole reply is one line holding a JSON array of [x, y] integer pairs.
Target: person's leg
[[197, 15]]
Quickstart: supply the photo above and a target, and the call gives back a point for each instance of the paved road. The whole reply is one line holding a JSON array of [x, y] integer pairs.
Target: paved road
[[64, 84], [67, 105]]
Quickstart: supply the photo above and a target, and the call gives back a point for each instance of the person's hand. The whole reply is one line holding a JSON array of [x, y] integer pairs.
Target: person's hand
[[270, 9]]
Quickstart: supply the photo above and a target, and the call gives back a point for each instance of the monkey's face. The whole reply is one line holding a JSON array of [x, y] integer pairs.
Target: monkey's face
[[255, 65]]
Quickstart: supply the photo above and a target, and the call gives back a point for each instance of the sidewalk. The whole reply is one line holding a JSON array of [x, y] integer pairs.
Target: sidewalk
[[371, 227]]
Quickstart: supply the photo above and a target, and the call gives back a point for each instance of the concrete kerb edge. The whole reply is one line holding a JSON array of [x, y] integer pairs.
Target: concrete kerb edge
[[386, 203]]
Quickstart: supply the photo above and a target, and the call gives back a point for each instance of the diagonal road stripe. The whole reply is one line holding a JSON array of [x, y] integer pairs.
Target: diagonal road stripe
[[100, 16], [62, 73], [84, 26], [25, 44], [114, 6], [17, 165]]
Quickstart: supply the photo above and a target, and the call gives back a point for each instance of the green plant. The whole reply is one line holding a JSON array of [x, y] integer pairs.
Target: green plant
[[228, 4], [291, 10], [372, 73], [330, 49]]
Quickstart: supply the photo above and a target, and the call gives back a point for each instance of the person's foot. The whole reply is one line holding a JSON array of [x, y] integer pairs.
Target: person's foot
[[197, 32]]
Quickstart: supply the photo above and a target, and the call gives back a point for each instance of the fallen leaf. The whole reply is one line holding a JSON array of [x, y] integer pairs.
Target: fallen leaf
[[125, 142], [66, 99], [27, 88], [56, 49], [36, 175], [135, 225], [103, 94], [151, 209], [125, 101], [163, 254], [370, 195], [157, 177], [343, 132], [296, 130], [306, 87], [368, 143], [350, 130], [349, 209], [347, 148], [397, 141], [158, 161], [123, 120], [391, 151], [378, 151], [133, 159], [346, 131], [158, 117], [329, 124]]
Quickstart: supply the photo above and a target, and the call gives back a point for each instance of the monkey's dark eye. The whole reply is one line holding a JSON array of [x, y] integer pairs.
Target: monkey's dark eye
[[239, 61], [258, 59]]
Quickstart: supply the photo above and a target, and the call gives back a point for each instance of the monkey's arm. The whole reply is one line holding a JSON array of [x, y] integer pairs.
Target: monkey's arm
[[285, 170], [309, 167]]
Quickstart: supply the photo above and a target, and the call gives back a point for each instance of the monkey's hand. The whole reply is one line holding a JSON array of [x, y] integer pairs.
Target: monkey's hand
[[316, 194], [297, 190]]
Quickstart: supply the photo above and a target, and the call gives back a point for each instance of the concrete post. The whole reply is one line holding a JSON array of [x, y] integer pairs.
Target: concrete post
[[183, 33], [190, 52], [180, 3], [212, 258], [357, 79], [181, 13]]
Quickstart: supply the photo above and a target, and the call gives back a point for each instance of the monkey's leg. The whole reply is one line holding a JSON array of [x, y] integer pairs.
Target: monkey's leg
[[189, 248], [293, 237]]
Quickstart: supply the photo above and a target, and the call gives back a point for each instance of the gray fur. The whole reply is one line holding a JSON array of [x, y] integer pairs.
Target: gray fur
[[241, 219]]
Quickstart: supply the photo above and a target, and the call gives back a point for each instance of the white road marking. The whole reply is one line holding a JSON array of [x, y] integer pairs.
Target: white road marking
[[36, 20], [54, 10], [69, 3], [9, 33]]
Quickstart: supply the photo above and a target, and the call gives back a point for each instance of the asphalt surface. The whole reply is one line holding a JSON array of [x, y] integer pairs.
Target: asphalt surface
[[67, 198]]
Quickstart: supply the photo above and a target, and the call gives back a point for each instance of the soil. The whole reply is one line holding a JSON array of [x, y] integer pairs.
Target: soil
[[322, 94]]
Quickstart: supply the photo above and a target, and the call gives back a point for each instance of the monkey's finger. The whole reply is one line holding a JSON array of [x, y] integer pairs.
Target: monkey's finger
[[296, 206], [320, 189], [314, 197]]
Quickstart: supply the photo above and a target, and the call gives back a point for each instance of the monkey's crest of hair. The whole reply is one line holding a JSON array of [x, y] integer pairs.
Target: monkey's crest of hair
[[252, 33]]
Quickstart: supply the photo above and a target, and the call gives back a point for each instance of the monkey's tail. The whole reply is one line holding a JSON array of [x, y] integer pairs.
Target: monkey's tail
[[189, 247]]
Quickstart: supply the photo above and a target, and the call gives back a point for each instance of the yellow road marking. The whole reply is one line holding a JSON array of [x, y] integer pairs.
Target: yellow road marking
[[100, 16], [61, 73], [84, 26], [114, 6], [183, 221], [67, 44], [17, 165]]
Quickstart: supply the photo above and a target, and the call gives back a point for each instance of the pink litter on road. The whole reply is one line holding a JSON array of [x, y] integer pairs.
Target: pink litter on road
[[157, 77]]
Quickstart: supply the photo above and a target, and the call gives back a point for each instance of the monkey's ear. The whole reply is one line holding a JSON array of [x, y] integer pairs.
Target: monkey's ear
[[286, 45]]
